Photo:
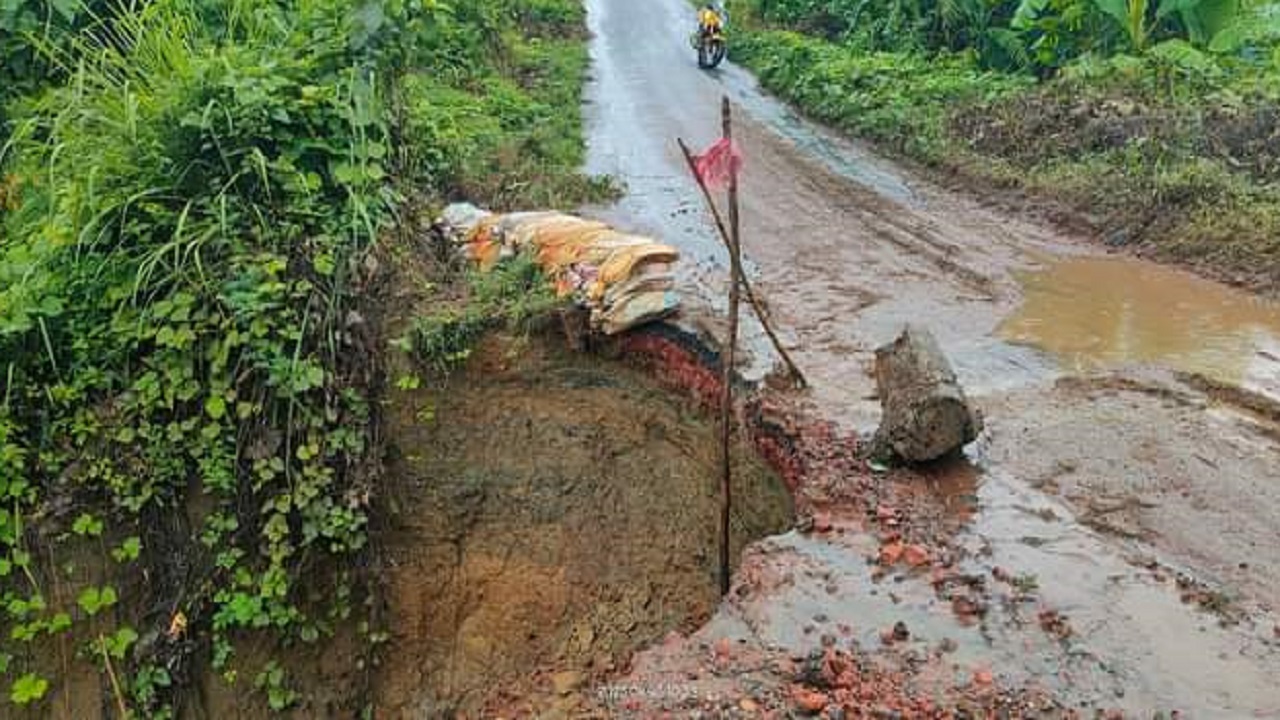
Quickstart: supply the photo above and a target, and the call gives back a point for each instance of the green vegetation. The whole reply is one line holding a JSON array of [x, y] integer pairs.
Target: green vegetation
[[192, 193], [499, 110], [514, 295], [1156, 121]]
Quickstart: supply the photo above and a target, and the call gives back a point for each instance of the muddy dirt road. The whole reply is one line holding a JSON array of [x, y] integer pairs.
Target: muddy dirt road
[[1129, 468]]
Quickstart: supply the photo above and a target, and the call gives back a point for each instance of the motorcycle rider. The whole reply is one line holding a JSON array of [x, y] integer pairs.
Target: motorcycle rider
[[710, 19]]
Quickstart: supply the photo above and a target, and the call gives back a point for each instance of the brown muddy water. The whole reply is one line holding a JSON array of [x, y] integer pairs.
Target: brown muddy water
[[1096, 313]]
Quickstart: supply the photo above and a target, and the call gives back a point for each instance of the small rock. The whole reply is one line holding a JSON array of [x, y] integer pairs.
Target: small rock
[[821, 523], [983, 678], [890, 554], [916, 555], [566, 681], [810, 701], [900, 632], [722, 649], [966, 607], [748, 705]]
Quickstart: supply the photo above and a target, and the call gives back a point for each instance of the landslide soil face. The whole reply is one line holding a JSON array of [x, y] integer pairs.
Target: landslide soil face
[[552, 513]]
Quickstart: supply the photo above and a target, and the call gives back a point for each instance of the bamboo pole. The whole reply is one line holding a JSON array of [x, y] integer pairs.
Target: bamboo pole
[[727, 358]]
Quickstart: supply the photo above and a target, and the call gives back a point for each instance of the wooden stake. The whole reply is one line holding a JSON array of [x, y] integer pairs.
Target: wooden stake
[[792, 368], [727, 357]]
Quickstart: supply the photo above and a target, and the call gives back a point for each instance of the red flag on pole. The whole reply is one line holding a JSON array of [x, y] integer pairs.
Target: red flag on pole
[[718, 163]]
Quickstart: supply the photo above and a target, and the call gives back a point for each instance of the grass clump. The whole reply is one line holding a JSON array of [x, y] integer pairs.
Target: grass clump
[[507, 129], [514, 295]]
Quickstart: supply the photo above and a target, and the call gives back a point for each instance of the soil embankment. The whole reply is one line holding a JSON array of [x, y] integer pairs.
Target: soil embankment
[[553, 513]]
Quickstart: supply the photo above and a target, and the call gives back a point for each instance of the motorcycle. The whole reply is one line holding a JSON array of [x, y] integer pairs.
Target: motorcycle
[[711, 48]]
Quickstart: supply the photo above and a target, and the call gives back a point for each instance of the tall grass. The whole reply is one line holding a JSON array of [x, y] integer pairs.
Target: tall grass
[[177, 275]]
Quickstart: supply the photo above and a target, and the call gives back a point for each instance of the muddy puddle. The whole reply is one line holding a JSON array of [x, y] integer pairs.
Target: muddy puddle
[[554, 512], [1101, 312]]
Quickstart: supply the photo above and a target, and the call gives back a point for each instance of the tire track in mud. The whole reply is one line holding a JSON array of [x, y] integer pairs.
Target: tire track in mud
[[916, 240]]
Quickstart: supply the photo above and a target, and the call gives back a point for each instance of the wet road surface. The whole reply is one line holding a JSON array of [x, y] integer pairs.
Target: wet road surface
[[1101, 451]]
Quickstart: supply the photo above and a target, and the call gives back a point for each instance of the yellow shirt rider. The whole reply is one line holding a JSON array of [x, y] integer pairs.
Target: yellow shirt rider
[[709, 20]]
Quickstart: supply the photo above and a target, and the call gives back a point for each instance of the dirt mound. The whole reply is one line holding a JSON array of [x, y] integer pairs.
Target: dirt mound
[[553, 513]]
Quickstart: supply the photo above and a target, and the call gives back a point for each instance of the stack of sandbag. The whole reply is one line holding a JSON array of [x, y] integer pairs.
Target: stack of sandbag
[[624, 280]]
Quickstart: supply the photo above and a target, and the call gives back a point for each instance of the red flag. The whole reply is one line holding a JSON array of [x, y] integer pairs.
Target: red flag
[[718, 163]]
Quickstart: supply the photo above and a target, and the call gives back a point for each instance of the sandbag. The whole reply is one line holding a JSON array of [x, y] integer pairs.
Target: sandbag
[[621, 280]]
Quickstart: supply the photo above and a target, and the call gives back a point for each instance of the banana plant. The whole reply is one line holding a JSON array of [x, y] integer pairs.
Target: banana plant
[[1259, 26], [1202, 19], [1206, 19]]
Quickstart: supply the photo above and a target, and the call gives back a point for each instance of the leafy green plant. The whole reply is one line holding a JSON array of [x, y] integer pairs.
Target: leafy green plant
[[128, 551], [1056, 31], [443, 341], [94, 600], [900, 99], [27, 689], [272, 681], [1253, 28], [118, 643], [31, 33], [87, 525], [1131, 17], [1204, 20], [173, 281]]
